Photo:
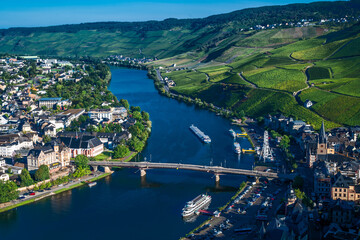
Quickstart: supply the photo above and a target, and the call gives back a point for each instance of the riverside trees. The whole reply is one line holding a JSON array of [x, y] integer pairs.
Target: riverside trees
[[8, 191]]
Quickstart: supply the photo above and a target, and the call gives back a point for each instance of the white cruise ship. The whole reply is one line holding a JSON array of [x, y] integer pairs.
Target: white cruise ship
[[196, 204]]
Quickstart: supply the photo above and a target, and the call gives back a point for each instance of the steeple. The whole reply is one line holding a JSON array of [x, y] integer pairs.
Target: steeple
[[322, 136]]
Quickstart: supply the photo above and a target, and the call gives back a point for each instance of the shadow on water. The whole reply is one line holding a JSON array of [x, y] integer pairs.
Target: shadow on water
[[219, 188], [145, 184], [9, 216]]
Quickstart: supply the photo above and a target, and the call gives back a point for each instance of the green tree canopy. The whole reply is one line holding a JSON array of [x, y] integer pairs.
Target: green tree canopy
[[125, 103], [136, 145], [81, 161], [8, 191], [121, 151], [25, 178], [46, 139], [135, 109], [145, 116], [137, 115], [42, 173]]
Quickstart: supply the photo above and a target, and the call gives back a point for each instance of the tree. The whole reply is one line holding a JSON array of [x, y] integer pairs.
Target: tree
[[48, 185], [298, 182], [137, 115], [135, 109], [145, 116], [9, 170], [125, 103], [46, 139], [136, 145], [25, 178], [8, 191], [81, 161], [285, 142], [42, 173], [120, 151]]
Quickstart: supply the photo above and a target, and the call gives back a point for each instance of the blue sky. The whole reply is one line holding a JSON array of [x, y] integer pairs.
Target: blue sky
[[26, 13]]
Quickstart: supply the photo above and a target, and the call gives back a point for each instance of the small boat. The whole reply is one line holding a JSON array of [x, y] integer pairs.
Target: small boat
[[91, 184], [237, 147], [233, 133]]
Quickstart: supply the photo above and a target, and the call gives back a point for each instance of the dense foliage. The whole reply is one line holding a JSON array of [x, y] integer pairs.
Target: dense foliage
[[8, 191], [42, 173], [91, 91], [25, 178]]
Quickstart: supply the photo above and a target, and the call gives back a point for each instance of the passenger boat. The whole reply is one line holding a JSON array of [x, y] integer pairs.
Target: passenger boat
[[197, 203], [200, 134]]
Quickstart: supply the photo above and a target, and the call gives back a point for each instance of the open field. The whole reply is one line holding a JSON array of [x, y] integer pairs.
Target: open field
[[336, 107], [277, 78], [318, 73], [318, 52]]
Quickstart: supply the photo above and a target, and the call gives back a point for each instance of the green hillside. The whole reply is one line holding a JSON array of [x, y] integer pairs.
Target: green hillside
[[318, 69], [212, 36], [230, 62]]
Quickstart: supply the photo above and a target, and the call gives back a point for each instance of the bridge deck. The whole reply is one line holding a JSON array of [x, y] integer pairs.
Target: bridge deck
[[193, 167]]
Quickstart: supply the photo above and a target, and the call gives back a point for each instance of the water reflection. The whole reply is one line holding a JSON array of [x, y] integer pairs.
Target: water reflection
[[9, 217], [61, 203]]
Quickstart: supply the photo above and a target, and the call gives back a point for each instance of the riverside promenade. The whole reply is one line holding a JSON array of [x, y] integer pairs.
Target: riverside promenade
[[53, 191]]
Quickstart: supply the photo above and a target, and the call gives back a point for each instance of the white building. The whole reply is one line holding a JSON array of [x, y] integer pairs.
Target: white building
[[101, 114], [7, 150], [4, 177]]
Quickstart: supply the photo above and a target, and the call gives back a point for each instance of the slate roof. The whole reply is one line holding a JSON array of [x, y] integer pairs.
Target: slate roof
[[84, 142]]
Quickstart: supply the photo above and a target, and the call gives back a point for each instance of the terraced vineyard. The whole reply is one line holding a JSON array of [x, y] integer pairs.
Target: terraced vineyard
[[281, 71]]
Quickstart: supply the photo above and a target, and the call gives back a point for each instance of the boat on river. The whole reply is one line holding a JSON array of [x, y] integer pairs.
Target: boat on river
[[205, 138], [233, 133], [237, 147], [196, 204], [91, 184]]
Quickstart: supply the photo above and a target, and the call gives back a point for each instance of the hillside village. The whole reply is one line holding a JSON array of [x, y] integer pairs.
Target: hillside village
[[37, 130]]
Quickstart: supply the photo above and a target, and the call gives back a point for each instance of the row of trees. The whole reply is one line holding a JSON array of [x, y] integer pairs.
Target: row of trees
[[41, 174]]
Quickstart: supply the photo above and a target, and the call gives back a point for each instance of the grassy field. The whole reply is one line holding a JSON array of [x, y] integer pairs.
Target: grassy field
[[318, 73], [187, 81], [336, 107], [277, 78], [318, 52], [351, 49]]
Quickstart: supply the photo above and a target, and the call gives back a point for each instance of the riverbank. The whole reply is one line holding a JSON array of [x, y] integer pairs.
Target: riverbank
[[54, 191], [213, 221]]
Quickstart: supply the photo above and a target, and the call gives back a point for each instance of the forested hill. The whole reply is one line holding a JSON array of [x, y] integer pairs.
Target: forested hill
[[159, 38]]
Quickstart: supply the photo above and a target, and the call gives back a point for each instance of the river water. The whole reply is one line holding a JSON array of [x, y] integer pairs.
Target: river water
[[126, 206]]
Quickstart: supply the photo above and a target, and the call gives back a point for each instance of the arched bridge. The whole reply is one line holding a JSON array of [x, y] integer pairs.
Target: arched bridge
[[216, 170]]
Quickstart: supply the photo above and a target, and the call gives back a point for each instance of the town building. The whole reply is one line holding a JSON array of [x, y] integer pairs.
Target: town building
[[344, 188], [89, 146], [54, 154]]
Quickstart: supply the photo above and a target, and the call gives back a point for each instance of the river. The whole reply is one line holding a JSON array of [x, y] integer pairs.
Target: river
[[126, 206]]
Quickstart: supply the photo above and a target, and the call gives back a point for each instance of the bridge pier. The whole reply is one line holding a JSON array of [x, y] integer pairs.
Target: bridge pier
[[217, 177], [95, 168], [142, 172], [107, 170]]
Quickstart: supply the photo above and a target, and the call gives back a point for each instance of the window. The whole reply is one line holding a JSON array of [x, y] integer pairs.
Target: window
[[335, 194], [344, 190], [335, 189], [339, 189]]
